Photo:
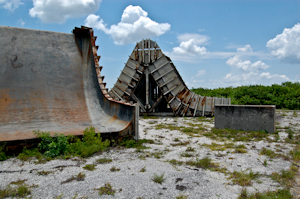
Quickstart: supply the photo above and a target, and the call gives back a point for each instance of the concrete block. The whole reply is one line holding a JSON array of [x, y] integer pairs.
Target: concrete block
[[245, 117]]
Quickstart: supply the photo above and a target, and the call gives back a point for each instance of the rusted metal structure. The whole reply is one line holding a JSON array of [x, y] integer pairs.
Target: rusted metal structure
[[151, 79], [52, 82]]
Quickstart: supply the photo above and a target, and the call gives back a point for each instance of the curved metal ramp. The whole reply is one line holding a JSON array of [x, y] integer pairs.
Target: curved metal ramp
[[151, 79], [52, 81]]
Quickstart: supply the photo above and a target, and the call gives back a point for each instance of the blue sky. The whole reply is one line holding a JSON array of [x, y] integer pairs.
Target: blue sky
[[212, 43]]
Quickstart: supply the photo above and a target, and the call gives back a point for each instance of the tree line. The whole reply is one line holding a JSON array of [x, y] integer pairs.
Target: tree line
[[284, 96]]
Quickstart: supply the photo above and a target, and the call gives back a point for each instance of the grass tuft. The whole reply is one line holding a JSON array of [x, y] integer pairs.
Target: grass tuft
[[90, 167], [107, 190], [158, 179]]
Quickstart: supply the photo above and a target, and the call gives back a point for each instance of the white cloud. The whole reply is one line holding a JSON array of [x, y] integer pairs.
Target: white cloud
[[190, 44], [254, 78], [189, 47], [239, 62], [286, 45], [201, 73], [134, 26], [58, 11], [10, 4], [248, 72], [198, 39], [21, 22]]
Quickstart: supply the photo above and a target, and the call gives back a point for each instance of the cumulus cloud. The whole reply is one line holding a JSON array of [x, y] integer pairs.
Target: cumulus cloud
[[190, 44], [134, 26], [254, 77], [10, 4], [58, 11], [286, 45], [239, 62], [201, 73], [247, 72]]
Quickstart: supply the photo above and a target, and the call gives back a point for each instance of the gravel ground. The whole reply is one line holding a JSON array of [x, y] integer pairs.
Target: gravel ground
[[180, 180]]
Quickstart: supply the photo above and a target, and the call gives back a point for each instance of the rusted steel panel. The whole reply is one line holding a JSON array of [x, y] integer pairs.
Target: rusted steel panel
[[53, 83]]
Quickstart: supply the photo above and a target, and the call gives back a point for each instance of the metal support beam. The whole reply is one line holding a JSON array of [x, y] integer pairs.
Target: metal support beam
[[147, 88], [139, 102]]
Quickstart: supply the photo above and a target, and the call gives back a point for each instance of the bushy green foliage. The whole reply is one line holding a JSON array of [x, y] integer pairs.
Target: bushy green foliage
[[90, 144], [60, 145], [52, 146], [284, 96], [2, 152]]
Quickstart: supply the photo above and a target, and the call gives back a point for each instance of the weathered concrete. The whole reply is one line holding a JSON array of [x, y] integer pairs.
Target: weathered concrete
[[51, 81], [245, 117]]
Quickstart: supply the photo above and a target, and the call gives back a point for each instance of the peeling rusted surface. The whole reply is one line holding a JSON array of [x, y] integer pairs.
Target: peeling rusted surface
[[58, 86]]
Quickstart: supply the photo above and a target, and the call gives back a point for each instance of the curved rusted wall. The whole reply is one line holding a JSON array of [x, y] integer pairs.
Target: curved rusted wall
[[52, 81]]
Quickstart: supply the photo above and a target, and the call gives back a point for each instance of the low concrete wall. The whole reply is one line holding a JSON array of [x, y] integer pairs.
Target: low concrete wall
[[245, 117]]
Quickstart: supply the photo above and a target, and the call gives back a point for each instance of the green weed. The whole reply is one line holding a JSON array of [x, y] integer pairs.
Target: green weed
[[90, 167], [113, 169], [107, 189], [285, 177], [204, 163], [22, 190], [143, 169], [279, 194], [79, 177], [158, 179], [103, 160], [236, 135], [243, 178]]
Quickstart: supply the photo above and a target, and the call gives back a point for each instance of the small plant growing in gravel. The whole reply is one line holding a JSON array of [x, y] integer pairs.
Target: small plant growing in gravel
[[89, 167], [22, 190], [103, 160], [79, 177], [158, 179], [189, 149], [44, 173], [204, 163], [185, 154], [295, 114], [107, 189], [265, 163], [286, 177], [143, 169], [279, 194], [175, 162], [243, 178], [267, 152], [176, 139], [113, 169], [182, 197]]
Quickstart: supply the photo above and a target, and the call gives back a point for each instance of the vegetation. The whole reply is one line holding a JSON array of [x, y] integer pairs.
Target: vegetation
[[107, 190], [204, 163], [61, 146], [158, 179], [79, 177], [279, 194], [284, 96], [243, 178], [2, 152], [90, 167], [103, 160], [19, 190]]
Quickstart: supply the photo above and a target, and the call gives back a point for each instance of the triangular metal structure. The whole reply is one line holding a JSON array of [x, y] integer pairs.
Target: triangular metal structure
[[151, 79]]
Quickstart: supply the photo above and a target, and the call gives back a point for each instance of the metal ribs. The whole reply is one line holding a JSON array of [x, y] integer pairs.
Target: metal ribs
[[161, 89]]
